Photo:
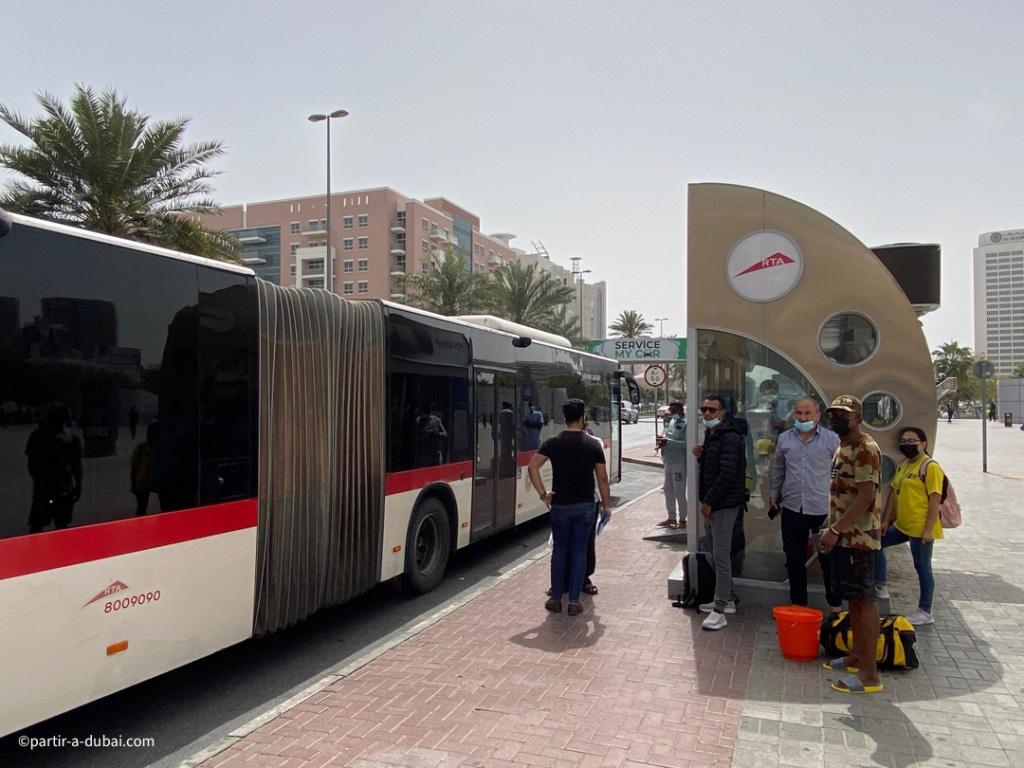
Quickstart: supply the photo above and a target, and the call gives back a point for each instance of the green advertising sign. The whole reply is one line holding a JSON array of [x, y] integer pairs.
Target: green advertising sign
[[640, 350]]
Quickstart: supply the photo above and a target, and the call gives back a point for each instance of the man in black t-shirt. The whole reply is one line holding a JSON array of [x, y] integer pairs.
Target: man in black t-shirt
[[575, 460]]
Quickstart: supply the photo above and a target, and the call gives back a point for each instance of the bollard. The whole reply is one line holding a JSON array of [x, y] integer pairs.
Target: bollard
[[1007, 419]]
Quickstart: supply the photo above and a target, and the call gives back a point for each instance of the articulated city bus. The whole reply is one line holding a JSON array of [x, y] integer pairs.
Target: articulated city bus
[[190, 456]]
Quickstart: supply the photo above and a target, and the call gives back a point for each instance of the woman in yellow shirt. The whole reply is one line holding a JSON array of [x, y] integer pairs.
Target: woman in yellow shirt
[[912, 514]]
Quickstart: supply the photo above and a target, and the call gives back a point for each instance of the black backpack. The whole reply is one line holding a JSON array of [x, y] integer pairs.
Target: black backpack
[[698, 580]]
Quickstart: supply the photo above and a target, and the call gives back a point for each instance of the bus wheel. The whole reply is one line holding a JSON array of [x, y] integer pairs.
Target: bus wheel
[[427, 546]]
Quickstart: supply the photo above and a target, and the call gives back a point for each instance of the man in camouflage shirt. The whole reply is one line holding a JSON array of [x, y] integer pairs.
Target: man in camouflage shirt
[[852, 541]]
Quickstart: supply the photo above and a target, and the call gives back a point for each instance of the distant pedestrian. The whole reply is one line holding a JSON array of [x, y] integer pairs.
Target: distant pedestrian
[[950, 410], [991, 411], [133, 421], [672, 443], [532, 426], [912, 515], [576, 459], [852, 541], [799, 487], [722, 492]]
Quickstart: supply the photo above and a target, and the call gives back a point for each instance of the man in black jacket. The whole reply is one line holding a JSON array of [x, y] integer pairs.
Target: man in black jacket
[[721, 489]]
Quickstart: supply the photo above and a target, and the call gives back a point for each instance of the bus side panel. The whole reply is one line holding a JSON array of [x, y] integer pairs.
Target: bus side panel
[[93, 628], [403, 490]]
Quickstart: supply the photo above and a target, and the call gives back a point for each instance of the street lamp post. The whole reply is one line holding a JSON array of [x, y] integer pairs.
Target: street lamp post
[[316, 118], [661, 327]]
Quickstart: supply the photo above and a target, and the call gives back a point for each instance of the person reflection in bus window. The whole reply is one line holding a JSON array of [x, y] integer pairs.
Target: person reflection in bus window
[[142, 475], [133, 421], [430, 436], [55, 465], [533, 425]]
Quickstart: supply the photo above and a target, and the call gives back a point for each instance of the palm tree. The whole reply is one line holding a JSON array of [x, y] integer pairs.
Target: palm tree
[[448, 289], [524, 293], [630, 324], [562, 324], [950, 359], [99, 165]]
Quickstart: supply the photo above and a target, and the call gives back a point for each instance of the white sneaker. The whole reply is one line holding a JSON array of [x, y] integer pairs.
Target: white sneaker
[[920, 618], [730, 607], [882, 591], [715, 621]]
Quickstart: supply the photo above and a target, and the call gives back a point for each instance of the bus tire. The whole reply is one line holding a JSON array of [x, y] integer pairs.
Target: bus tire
[[427, 546]]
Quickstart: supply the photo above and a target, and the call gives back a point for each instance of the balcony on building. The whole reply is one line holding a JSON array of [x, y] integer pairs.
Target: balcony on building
[[252, 240], [319, 229], [398, 249], [437, 235], [252, 261], [398, 226], [313, 252], [398, 268]]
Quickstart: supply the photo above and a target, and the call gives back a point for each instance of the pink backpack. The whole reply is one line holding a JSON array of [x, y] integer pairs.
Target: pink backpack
[[949, 507]]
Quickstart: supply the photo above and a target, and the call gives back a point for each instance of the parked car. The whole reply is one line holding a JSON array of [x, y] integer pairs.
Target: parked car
[[628, 412]]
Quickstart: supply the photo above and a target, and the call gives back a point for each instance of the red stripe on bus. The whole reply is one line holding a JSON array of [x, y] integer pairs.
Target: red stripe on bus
[[414, 479], [45, 551]]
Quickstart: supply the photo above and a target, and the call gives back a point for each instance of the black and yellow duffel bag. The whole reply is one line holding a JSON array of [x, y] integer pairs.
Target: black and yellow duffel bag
[[895, 640]]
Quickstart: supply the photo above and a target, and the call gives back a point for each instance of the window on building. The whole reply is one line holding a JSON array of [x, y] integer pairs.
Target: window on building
[[346, 265], [425, 225], [347, 222], [346, 289], [294, 247], [425, 246], [364, 220], [364, 243], [292, 270], [296, 227], [364, 265], [316, 282], [346, 244], [314, 225], [444, 233], [364, 286]]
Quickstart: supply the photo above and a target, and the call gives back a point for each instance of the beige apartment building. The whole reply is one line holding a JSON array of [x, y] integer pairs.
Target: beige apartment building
[[378, 237]]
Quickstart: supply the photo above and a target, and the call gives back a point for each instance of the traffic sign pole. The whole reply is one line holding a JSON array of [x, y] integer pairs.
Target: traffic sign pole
[[983, 369]]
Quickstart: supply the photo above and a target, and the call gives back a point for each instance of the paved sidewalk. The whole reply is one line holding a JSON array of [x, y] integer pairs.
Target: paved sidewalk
[[634, 682]]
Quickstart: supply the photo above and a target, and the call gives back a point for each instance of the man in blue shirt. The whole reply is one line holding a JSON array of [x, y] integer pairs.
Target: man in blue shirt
[[800, 478], [672, 443]]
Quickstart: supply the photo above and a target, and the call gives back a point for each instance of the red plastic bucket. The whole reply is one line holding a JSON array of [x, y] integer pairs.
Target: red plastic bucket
[[797, 627]]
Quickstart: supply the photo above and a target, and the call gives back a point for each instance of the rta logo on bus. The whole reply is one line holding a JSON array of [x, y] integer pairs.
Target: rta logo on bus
[[117, 604], [764, 266]]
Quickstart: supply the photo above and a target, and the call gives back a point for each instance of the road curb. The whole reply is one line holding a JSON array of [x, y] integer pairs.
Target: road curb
[[376, 650]]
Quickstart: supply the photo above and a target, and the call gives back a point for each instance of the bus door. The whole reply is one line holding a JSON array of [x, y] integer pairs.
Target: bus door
[[494, 473]]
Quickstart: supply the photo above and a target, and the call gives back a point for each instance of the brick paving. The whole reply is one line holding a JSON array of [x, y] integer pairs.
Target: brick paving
[[634, 682]]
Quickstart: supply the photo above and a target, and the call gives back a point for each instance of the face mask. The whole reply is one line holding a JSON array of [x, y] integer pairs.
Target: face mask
[[840, 426], [711, 423], [804, 426], [910, 451]]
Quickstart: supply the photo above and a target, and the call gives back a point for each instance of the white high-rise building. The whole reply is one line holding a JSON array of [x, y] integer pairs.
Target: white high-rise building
[[999, 299]]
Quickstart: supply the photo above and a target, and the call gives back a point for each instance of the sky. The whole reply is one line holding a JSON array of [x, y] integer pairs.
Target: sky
[[580, 124]]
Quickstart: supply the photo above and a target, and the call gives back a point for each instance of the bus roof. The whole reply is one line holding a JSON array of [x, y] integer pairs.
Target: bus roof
[[99, 237], [476, 327]]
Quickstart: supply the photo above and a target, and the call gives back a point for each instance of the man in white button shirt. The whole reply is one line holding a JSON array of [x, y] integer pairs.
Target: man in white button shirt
[[800, 479]]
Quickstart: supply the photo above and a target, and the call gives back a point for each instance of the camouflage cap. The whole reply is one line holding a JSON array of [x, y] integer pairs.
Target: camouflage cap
[[847, 403]]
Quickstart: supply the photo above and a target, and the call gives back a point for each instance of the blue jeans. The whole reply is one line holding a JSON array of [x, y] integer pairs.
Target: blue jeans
[[570, 528], [922, 554]]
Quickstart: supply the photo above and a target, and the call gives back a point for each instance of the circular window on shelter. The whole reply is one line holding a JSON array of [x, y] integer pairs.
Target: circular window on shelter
[[888, 470], [848, 338], [881, 410]]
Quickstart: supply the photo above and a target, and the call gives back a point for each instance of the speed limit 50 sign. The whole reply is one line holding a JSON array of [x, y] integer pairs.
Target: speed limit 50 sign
[[655, 375]]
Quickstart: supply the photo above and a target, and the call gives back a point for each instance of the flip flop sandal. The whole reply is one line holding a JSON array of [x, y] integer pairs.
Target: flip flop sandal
[[853, 684], [590, 589], [839, 665]]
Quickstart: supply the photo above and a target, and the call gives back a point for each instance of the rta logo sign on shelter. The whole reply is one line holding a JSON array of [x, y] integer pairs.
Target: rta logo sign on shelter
[[764, 266]]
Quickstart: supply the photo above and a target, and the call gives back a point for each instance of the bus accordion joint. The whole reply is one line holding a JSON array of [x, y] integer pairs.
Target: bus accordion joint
[[117, 647]]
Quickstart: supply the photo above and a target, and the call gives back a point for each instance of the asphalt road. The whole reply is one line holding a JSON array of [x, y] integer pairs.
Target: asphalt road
[[193, 707], [639, 434]]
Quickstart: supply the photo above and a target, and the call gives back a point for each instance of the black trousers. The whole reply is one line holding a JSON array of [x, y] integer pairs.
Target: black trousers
[[796, 528]]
